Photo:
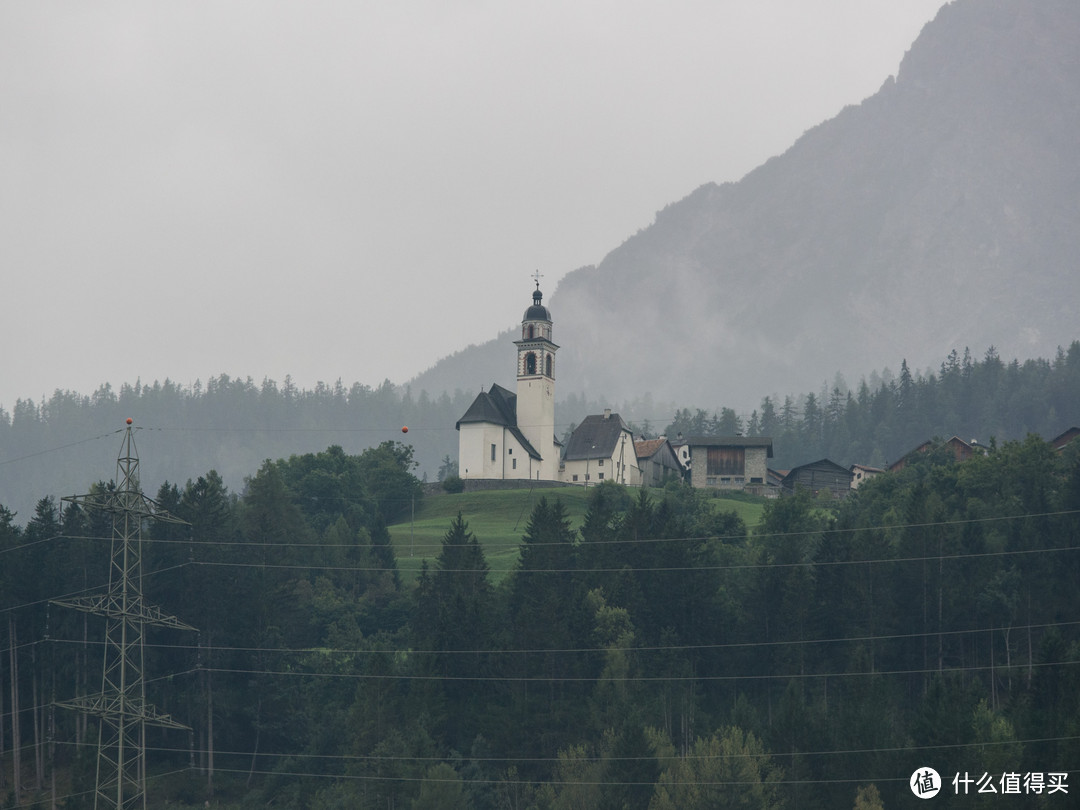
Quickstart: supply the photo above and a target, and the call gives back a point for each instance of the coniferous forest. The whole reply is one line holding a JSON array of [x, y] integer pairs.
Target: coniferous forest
[[232, 424], [662, 655]]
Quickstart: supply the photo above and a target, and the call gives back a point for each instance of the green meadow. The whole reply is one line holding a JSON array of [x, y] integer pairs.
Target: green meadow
[[498, 519]]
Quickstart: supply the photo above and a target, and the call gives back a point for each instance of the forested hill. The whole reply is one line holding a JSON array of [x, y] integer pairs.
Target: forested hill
[[64, 444], [663, 657], [940, 212], [984, 399]]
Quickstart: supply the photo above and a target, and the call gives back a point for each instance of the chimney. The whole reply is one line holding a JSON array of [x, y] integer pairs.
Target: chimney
[[607, 413]]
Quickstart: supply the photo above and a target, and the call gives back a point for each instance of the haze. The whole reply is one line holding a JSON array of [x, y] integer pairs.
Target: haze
[[354, 190]]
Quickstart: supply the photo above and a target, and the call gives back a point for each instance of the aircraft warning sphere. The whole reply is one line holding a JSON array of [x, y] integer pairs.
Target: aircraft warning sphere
[[405, 429], [130, 420]]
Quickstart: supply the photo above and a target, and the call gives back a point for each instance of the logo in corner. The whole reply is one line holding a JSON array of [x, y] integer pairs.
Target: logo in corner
[[925, 783]]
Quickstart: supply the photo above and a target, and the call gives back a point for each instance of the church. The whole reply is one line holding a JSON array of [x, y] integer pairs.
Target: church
[[507, 435]]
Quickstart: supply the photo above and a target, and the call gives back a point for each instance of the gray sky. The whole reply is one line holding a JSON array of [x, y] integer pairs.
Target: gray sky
[[355, 189]]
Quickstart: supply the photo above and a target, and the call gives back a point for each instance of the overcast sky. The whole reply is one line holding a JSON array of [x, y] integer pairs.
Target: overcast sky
[[355, 189]]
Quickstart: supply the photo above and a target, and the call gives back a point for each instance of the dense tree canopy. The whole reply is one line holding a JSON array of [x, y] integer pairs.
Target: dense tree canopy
[[663, 654]]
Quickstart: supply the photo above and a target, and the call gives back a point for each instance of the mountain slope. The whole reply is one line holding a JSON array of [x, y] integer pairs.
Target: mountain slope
[[937, 214]]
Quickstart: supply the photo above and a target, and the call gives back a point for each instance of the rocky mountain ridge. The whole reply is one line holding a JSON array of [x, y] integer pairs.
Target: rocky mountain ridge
[[939, 213]]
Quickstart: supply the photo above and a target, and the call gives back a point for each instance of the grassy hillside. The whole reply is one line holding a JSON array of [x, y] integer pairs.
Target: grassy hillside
[[498, 519]]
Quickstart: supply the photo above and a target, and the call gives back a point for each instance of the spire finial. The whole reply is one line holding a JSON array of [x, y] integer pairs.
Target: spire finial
[[537, 275]]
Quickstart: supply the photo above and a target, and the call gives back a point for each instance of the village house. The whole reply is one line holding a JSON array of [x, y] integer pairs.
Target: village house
[[960, 449], [818, 477], [729, 462], [1060, 442], [861, 473], [601, 449], [657, 461]]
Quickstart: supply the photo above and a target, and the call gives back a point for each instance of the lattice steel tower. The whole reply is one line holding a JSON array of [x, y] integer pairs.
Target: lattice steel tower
[[121, 706]]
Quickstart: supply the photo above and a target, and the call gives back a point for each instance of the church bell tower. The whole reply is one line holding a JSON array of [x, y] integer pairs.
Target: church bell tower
[[536, 384]]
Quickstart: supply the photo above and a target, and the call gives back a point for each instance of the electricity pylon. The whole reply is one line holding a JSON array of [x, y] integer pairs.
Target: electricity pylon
[[121, 706]]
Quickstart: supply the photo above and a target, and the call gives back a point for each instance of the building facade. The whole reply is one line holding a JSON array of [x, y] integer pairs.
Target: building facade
[[505, 435], [601, 449], [729, 462]]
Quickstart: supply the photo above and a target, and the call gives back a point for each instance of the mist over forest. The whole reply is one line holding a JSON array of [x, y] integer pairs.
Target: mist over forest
[[936, 214], [62, 445], [905, 272]]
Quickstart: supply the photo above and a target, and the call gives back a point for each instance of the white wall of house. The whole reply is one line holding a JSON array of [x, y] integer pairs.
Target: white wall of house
[[860, 474], [621, 466], [490, 451]]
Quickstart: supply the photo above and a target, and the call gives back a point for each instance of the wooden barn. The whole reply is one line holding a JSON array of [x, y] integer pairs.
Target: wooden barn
[[817, 477]]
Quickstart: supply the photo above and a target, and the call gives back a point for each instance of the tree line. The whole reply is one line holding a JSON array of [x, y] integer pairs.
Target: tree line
[[664, 655], [231, 424], [884, 418]]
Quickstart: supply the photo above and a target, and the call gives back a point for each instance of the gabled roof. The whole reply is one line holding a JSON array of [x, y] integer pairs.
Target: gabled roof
[[596, 437], [961, 450], [1059, 442], [823, 464], [646, 448], [732, 441], [497, 406], [865, 468]]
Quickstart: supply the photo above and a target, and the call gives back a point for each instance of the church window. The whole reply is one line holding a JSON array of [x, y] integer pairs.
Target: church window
[[492, 452], [514, 463], [530, 332], [530, 363], [548, 361]]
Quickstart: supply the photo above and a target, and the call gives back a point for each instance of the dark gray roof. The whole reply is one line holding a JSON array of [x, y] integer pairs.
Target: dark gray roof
[[537, 312], [732, 441], [498, 406], [824, 464], [596, 437]]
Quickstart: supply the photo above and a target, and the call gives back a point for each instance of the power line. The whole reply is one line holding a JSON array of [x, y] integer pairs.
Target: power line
[[615, 542], [60, 447], [580, 570], [793, 676], [653, 569], [1019, 628], [607, 758]]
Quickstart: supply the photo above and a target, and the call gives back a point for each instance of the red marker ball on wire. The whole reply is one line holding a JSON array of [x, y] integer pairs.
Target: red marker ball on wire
[[404, 428]]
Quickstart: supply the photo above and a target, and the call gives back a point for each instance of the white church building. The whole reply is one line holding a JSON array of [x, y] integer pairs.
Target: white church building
[[507, 435]]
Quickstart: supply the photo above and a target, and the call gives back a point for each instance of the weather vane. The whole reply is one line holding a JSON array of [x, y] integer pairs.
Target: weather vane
[[537, 276]]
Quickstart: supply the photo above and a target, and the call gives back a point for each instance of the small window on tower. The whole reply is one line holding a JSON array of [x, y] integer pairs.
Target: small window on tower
[[530, 363], [548, 361]]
